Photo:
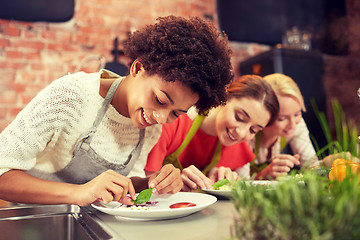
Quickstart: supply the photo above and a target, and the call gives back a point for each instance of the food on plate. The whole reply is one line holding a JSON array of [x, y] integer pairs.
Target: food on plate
[[141, 206], [223, 184], [182, 205], [142, 201], [143, 197]]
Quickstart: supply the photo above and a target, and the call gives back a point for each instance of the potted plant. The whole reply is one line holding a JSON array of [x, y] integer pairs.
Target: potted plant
[[312, 206]]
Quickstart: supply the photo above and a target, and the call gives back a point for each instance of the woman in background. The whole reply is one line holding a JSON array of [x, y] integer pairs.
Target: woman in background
[[213, 147], [288, 129]]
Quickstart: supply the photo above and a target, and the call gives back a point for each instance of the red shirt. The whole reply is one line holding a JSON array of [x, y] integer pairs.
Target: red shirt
[[199, 151]]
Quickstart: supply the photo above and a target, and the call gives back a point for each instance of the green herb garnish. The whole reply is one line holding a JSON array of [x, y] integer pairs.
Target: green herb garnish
[[220, 183], [143, 197]]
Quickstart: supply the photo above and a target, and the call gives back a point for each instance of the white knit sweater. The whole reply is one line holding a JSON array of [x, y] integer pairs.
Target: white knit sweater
[[44, 133]]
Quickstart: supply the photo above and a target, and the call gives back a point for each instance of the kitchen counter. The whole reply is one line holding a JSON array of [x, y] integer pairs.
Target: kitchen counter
[[40, 222], [55, 222], [211, 223]]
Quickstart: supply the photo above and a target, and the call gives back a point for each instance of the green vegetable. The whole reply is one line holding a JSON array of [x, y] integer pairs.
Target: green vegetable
[[143, 197], [220, 183]]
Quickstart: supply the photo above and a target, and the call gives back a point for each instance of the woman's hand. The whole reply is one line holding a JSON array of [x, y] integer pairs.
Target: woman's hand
[[280, 165], [193, 178], [216, 174], [167, 180], [108, 186]]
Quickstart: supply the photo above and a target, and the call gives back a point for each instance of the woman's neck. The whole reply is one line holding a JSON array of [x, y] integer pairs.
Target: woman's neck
[[119, 100], [209, 123], [268, 139]]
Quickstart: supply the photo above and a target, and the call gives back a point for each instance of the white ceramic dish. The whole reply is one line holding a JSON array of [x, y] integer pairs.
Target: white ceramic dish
[[219, 193], [162, 209], [266, 183], [228, 193]]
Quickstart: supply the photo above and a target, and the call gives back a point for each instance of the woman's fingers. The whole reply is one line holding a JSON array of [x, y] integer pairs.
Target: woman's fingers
[[127, 201], [189, 185], [218, 173], [123, 182], [225, 172], [198, 179], [186, 188], [108, 186], [283, 162], [279, 166], [167, 180], [293, 158]]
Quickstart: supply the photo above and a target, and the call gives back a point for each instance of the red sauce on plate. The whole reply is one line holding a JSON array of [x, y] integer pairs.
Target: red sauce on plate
[[182, 205]]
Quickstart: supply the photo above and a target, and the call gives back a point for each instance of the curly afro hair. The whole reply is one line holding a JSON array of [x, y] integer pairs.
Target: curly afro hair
[[191, 51]]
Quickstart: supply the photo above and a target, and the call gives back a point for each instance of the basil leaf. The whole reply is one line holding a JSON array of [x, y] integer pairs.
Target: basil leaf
[[143, 197], [220, 183]]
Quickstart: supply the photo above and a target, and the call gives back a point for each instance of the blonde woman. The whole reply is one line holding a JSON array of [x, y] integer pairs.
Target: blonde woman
[[289, 129]]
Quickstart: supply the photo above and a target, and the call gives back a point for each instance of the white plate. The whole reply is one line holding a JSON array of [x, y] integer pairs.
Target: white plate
[[266, 183], [162, 210], [219, 193], [228, 193]]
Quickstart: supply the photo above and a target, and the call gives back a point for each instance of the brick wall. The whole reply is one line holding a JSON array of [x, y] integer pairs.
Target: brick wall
[[342, 73], [34, 54]]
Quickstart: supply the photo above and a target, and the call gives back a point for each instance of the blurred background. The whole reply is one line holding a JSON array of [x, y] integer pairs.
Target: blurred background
[[316, 42]]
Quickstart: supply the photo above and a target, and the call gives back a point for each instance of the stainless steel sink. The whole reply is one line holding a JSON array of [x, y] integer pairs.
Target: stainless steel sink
[[52, 222]]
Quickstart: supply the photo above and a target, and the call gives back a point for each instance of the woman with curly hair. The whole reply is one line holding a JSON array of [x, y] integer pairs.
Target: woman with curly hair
[[86, 136]]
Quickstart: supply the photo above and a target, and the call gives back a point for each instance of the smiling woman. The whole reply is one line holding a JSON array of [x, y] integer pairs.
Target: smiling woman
[[87, 135], [213, 147], [272, 158]]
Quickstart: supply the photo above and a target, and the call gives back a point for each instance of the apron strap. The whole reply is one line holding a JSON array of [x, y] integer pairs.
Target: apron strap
[[283, 143], [87, 136], [214, 160], [173, 158], [194, 127], [109, 96], [100, 115]]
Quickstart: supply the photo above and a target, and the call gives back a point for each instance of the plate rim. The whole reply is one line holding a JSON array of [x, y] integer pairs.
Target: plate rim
[[143, 214]]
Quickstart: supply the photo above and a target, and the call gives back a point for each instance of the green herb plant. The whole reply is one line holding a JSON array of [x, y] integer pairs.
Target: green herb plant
[[318, 209], [346, 136]]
